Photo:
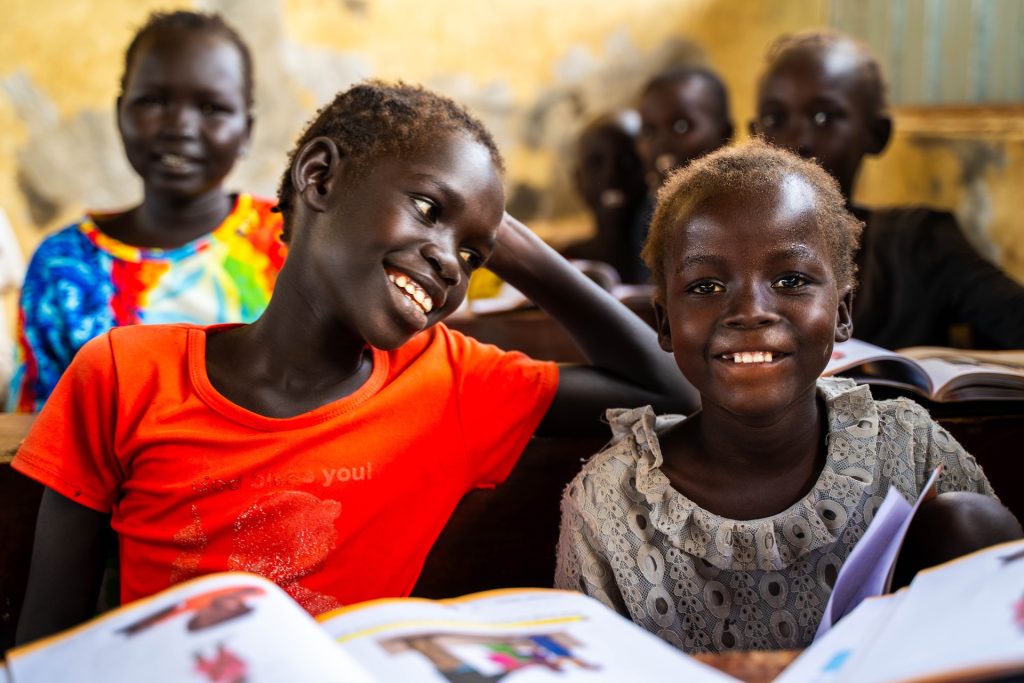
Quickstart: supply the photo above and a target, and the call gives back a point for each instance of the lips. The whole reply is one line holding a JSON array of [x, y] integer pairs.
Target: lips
[[613, 198], [665, 162], [174, 162]]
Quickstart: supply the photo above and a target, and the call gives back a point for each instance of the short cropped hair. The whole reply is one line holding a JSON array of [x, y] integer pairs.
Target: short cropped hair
[[827, 39], [753, 167], [162, 23], [675, 75], [376, 119]]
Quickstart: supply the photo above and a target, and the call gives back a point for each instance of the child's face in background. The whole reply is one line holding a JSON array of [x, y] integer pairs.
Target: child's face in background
[[813, 104], [404, 237], [680, 121], [609, 175], [752, 306], [183, 115]]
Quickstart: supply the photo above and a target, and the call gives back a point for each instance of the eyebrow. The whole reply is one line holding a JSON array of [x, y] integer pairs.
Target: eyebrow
[[451, 195], [792, 251], [797, 251], [700, 258]]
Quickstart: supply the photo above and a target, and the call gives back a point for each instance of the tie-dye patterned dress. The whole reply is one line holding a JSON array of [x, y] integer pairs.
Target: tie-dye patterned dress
[[81, 282]]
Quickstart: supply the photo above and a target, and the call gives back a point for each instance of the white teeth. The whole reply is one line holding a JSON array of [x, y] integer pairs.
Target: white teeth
[[752, 357], [612, 198], [173, 160], [413, 291], [665, 162]]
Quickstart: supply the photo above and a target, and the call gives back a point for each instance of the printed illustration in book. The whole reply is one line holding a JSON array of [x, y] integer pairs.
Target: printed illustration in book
[[935, 373]]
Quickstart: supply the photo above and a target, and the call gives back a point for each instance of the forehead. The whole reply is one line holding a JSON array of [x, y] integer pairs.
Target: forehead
[[679, 95], [836, 70], [456, 166], [202, 57], [603, 138], [751, 224]]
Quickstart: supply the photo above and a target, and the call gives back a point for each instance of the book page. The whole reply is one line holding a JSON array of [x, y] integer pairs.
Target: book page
[[828, 657], [223, 628], [522, 636], [868, 570], [961, 620], [968, 378], [866, 362]]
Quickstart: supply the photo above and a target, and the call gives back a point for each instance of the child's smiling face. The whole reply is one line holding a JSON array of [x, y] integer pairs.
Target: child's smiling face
[[681, 120], [396, 245], [752, 305], [183, 115], [814, 102]]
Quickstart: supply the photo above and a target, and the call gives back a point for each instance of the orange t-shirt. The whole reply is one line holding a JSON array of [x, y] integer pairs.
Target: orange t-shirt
[[337, 505]]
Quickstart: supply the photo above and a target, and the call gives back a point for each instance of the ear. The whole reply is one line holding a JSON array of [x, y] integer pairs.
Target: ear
[[577, 179], [880, 132], [250, 122], [315, 169], [661, 326], [117, 115], [844, 316]]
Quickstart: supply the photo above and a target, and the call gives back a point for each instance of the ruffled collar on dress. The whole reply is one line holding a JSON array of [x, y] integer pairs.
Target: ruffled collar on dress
[[768, 543]]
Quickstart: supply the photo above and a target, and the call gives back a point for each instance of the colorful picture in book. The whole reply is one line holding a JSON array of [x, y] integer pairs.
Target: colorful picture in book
[[204, 610], [485, 658], [223, 666]]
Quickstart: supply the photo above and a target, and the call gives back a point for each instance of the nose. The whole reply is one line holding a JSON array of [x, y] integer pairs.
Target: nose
[[798, 137], [180, 120], [749, 307], [445, 262]]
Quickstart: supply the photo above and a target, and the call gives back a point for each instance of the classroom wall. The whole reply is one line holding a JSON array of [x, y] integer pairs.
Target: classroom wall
[[534, 70]]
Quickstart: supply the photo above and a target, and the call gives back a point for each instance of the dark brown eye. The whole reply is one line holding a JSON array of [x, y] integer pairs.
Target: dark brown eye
[[471, 258], [426, 208]]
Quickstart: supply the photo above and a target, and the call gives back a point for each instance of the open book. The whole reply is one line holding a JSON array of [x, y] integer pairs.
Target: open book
[[965, 617], [936, 373], [235, 627]]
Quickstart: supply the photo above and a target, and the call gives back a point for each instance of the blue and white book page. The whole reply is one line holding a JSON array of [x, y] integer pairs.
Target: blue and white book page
[[963, 620], [832, 655]]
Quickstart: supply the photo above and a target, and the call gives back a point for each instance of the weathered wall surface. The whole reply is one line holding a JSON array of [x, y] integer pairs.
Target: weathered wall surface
[[533, 70]]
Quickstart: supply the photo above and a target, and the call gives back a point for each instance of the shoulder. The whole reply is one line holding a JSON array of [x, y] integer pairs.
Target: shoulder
[[914, 225], [69, 241], [135, 344], [611, 477], [257, 212]]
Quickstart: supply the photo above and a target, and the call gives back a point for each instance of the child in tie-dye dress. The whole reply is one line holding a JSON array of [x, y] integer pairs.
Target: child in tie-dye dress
[[190, 252]]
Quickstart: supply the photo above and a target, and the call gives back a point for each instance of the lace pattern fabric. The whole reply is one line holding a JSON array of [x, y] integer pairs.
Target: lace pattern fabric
[[707, 583]]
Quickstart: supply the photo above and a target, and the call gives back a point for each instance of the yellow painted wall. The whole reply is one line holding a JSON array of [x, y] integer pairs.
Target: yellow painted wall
[[533, 69]]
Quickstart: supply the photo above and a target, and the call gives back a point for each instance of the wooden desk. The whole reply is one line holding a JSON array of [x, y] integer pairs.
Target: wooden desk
[[751, 667]]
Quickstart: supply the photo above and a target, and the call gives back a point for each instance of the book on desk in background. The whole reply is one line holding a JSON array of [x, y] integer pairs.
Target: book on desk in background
[[963, 618], [936, 373]]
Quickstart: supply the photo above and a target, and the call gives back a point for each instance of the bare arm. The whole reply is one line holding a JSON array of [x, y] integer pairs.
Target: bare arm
[[65, 573], [627, 367]]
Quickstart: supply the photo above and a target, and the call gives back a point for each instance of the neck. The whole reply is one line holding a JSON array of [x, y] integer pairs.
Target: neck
[[765, 447], [178, 218], [296, 344]]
